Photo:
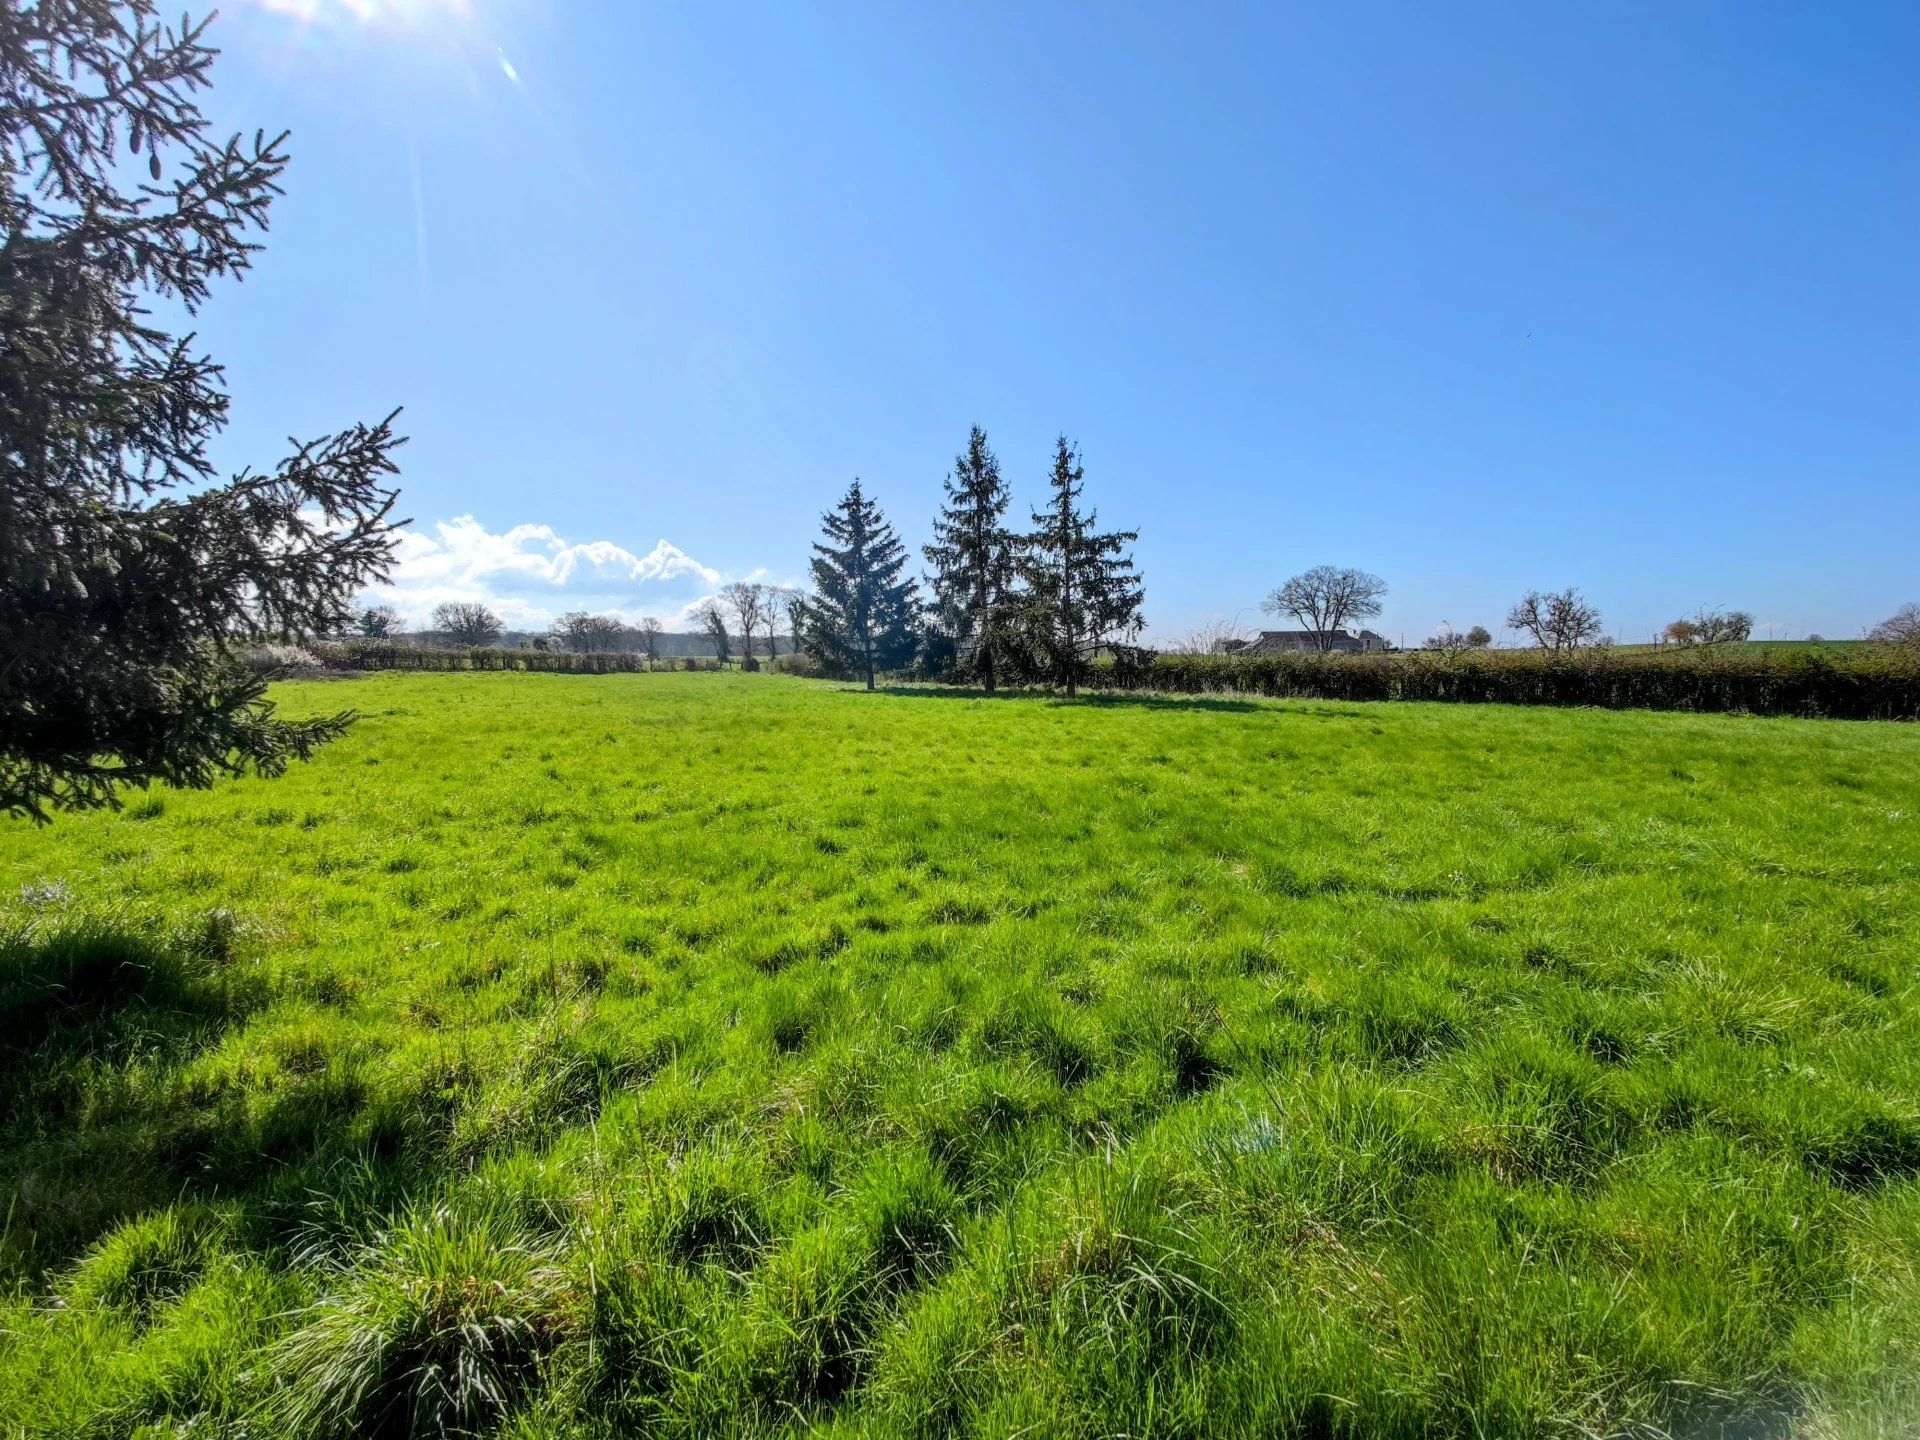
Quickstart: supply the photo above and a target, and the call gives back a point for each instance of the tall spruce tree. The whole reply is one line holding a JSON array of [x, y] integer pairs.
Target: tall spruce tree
[[973, 560], [863, 613], [1082, 590], [132, 575]]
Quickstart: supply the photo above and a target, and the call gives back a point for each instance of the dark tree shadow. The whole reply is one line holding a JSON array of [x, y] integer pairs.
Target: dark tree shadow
[[1091, 699], [98, 1020]]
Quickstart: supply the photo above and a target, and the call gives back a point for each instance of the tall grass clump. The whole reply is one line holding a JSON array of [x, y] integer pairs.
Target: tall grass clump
[[150, 1259], [437, 1325]]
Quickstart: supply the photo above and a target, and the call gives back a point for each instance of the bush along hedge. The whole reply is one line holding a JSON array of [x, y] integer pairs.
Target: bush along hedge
[[397, 655], [1863, 683]]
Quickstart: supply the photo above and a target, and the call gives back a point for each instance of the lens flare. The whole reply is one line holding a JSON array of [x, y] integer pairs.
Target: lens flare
[[383, 14]]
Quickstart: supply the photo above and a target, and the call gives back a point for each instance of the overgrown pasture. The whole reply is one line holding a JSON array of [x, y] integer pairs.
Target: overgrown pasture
[[700, 1054]]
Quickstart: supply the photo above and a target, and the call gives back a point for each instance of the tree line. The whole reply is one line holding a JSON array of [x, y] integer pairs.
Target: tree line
[[1328, 598], [465, 624]]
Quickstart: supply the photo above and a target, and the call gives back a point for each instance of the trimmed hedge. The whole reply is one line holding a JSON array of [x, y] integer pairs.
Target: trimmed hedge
[[1864, 682], [1860, 683], [395, 655]]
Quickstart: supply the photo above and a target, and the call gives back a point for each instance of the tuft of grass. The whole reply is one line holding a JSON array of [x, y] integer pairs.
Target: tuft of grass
[[438, 1325], [909, 1213], [150, 1259], [711, 1210], [802, 1340]]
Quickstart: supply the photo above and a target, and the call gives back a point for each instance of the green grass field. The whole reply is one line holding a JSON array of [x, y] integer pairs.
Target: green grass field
[[697, 1055]]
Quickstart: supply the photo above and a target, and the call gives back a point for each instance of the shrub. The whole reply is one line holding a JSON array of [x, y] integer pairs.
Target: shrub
[[276, 662], [799, 663], [377, 654]]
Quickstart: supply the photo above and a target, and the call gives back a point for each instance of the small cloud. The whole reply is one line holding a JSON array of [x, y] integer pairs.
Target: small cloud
[[669, 562]]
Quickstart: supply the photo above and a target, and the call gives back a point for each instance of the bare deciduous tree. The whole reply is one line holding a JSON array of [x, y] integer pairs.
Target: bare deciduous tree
[[794, 602], [586, 633], [377, 622], [1721, 627], [1325, 598], [1561, 620], [780, 601], [1451, 642], [749, 603], [647, 632], [1900, 628], [1213, 637], [466, 622], [1709, 625]]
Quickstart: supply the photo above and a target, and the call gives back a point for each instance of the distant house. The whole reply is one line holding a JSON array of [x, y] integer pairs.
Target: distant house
[[1275, 642]]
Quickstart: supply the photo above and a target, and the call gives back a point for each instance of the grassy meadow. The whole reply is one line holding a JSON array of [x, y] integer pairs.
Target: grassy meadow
[[701, 1055]]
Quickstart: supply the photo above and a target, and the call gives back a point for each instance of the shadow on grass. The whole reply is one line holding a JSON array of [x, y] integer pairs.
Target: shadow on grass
[[81, 984], [1092, 699], [99, 1021]]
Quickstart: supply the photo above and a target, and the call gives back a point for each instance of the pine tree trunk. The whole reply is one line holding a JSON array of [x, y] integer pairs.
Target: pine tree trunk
[[1066, 622], [982, 647]]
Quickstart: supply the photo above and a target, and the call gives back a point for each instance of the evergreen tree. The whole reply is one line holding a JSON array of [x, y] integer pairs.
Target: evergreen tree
[[862, 615], [1082, 590], [132, 576], [972, 555]]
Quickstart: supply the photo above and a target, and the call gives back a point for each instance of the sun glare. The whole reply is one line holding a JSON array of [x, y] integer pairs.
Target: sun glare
[[385, 14]]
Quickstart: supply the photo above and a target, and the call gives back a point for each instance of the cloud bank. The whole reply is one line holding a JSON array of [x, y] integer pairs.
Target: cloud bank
[[529, 575]]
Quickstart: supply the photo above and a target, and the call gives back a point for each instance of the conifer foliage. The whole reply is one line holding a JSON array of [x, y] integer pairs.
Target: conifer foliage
[[1082, 592], [973, 559], [130, 575], [863, 614]]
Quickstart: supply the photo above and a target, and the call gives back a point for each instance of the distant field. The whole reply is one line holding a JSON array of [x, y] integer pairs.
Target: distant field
[[1770, 647], [697, 1054]]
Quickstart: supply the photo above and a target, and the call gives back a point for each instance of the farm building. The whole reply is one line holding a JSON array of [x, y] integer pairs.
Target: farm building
[[1273, 642]]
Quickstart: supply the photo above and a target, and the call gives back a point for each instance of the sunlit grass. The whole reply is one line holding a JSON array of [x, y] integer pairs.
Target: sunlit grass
[[693, 1054]]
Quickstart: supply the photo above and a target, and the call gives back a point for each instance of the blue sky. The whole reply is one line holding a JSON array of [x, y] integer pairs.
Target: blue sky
[[1480, 297]]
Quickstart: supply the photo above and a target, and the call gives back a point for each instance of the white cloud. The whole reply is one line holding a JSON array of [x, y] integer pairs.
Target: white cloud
[[529, 574]]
